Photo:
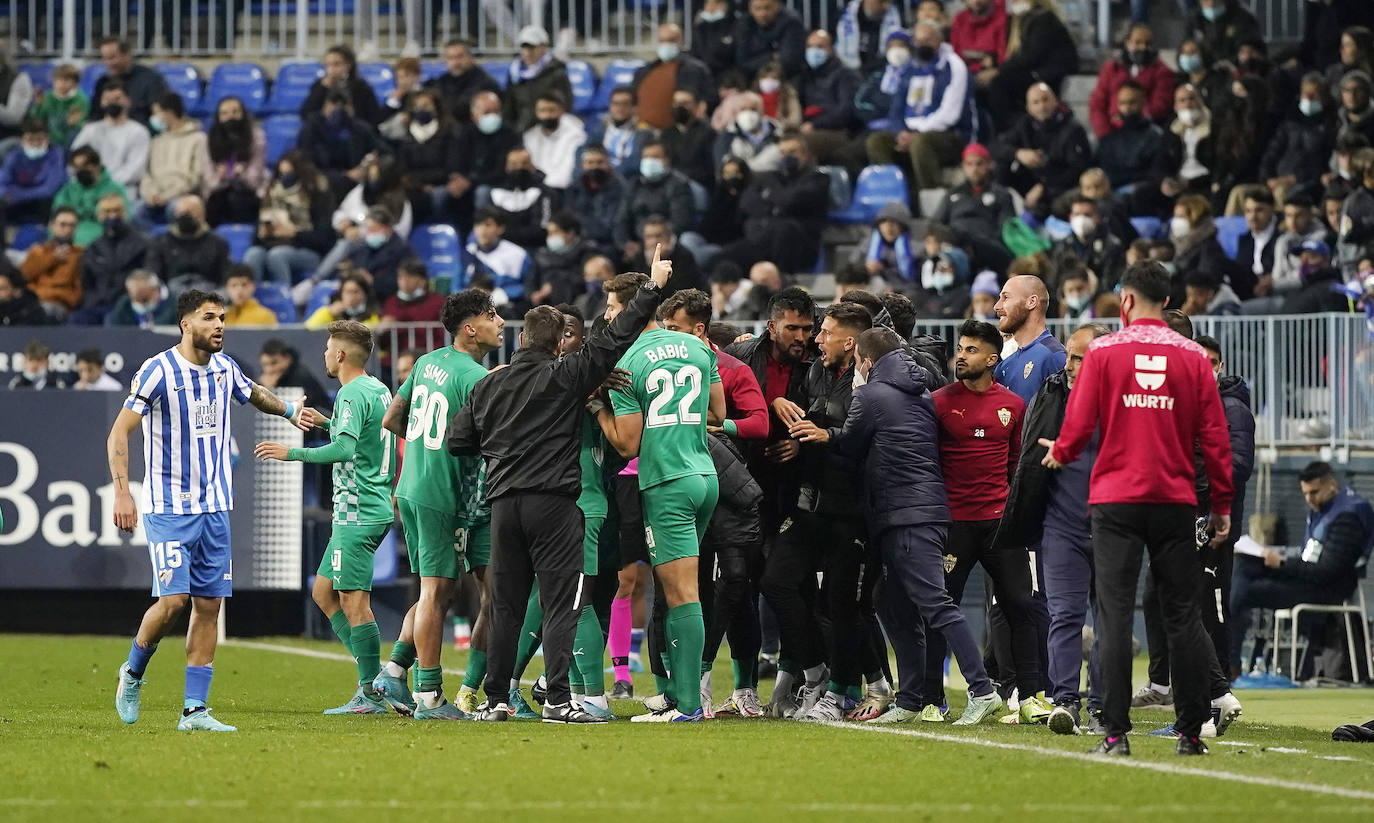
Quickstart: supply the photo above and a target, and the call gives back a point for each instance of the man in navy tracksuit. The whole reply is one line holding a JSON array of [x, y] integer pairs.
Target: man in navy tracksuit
[[891, 432], [1050, 509]]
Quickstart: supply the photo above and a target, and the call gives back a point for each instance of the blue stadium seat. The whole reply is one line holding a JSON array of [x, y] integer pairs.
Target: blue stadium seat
[[319, 298], [1150, 228], [431, 69], [183, 79], [282, 131], [292, 86], [39, 73], [500, 71], [618, 73], [239, 236], [583, 81], [245, 81], [1057, 229], [876, 186], [437, 245], [1229, 230], [89, 77], [277, 297], [28, 234], [841, 190], [380, 77]]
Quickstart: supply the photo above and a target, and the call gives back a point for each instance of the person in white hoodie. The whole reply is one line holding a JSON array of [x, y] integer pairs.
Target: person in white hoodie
[[177, 159], [554, 139], [121, 142]]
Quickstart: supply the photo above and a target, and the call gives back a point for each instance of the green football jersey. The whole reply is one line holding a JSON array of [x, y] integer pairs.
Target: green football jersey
[[592, 500], [671, 375], [438, 386], [362, 486]]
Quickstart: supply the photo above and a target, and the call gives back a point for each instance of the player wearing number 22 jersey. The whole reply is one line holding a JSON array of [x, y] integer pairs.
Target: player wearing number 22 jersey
[[671, 378]]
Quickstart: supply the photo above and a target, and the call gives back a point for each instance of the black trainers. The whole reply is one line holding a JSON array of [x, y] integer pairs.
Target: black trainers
[[1064, 718], [540, 690], [623, 690], [1188, 746], [1117, 746], [493, 712], [568, 713], [1095, 722]]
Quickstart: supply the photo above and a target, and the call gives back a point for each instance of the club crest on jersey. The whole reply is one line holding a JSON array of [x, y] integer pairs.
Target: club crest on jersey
[[1004, 415], [950, 561], [133, 386], [165, 577], [1149, 371], [1025, 373]]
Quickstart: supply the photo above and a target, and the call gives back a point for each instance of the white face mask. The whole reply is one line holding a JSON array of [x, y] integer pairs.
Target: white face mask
[[1179, 226], [1083, 226], [668, 52], [898, 57], [1019, 7], [860, 374], [414, 294], [747, 120], [942, 280], [1190, 117], [769, 85]]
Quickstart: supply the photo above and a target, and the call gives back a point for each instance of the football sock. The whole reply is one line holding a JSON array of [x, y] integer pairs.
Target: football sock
[[746, 675], [855, 691], [588, 653], [531, 632], [813, 674], [636, 641], [1155, 687], [367, 649], [877, 683], [665, 684], [197, 687], [429, 686], [476, 671], [339, 623], [403, 656], [618, 642], [686, 633], [598, 700], [782, 684], [139, 657]]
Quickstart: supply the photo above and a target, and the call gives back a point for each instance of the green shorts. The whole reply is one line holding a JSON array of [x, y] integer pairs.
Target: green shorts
[[676, 513], [478, 549], [348, 558], [435, 540], [591, 538]]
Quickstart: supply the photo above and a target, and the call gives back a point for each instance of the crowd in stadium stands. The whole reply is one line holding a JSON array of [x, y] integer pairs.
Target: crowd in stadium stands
[[1249, 174]]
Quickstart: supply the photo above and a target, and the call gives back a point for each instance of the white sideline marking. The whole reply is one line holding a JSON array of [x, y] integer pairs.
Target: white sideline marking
[[1166, 768], [319, 655]]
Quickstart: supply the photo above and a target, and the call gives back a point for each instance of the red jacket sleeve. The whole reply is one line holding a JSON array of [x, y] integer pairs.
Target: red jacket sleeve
[[1100, 104], [1160, 105], [1080, 418], [751, 422], [1214, 438]]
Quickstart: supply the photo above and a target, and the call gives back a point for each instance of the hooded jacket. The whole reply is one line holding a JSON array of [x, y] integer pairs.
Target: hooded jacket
[[668, 196], [830, 89], [85, 199], [977, 214], [898, 257], [1023, 519], [1356, 231], [830, 473], [735, 521], [935, 97], [1301, 146], [177, 161], [1240, 424], [891, 432]]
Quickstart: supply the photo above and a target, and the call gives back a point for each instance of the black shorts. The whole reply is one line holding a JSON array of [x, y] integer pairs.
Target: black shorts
[[632, 546]]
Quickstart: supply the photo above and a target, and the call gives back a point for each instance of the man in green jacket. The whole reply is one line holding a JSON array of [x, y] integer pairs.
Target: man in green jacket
[[90, 182]]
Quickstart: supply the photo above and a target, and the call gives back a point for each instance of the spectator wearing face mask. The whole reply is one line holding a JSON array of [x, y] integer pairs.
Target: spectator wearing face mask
[[1185, 166], [784, 212], [1318, 277], [147, 302], [1197, 68], [1137, 62], [88, 187], [34, 375], [862, 30], [1222, 25], [1040, 49], [873, 99], [721, 223], [713, 36], [657, 189], [177, 159], [827, 91], [689, 140], [189, 255], [294, 228], [1242, 134], [979, 34], [1091, 244], [483, 143], [32, 173], [946, 294], [621, 131], [1077, 288], [534, 74], [354, 300], [1194, 236], [236, 176], [657, 83], [341, 76], [341, 145], [116, 250], [524, 199], [18, 305], [380, 254], [1133, 151], [121, 141], [751, 137], [1298, 155], [553, 140], [558, 265], [596, 197], [413, 302], [427, 157]]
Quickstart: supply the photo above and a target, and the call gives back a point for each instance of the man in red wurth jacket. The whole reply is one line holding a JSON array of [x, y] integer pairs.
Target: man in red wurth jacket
[[1152, 394]]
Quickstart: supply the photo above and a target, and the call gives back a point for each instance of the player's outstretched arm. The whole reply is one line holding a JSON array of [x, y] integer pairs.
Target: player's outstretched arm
[[397, 415], [623, 431], [301, 416], [117, 453], [715, 413], [340, 450]]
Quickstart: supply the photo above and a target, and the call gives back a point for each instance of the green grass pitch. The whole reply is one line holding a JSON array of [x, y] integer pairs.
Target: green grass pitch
[[64, 756]]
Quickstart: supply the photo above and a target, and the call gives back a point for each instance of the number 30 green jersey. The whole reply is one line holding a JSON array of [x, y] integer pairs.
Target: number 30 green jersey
[[438, 386], [671, 375]]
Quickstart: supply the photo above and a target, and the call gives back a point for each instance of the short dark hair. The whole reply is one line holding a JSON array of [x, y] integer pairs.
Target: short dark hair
[[192, 299], [571, 312], [238, 270], [1097, 329], [595, 148], [901, 312], [1302, 201], [112, 84], [1133, 85], [60, 210], [1178, 321], [33, 125], [1316, 470], [864, 298], [553, 97], [490, 213], [115, 40], [275, 347], [338, 97], [36, 349], [346, 52], [722, 333], [87, 154], [1149, 279], [694, 302], [1086, 201], [353, 333], [458, 41], [567, 220], [91, 355], [459, 306], [1260, 194], [1210, 344], [543, 328], [791, 299], [624, 286], [171, 101], [852, 274], [982, 332], [850, 315], [415, 266], [413, 354], [630, 90], [876, 342]]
